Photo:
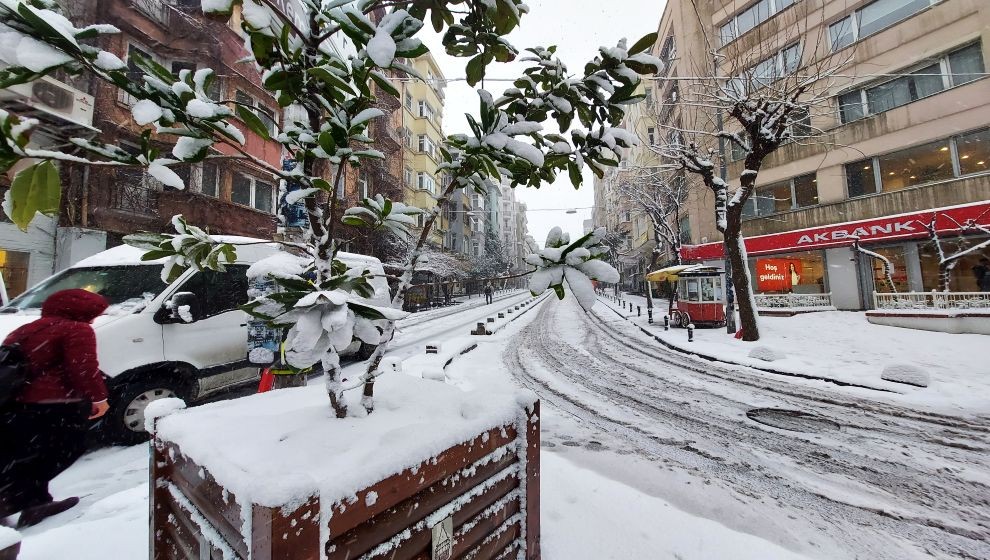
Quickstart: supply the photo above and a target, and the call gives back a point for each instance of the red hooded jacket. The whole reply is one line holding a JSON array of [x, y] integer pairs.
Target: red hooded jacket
[[61, 348]]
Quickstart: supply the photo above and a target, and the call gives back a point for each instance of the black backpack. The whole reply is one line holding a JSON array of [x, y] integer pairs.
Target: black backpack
[[14, 372]]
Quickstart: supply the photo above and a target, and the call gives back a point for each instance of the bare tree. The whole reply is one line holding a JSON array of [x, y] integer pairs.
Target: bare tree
[[947, 260], [747, 101], [660, 195], [888, 267]]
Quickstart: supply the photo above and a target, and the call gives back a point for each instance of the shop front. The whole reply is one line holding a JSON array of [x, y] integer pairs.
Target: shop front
[[822, 260]]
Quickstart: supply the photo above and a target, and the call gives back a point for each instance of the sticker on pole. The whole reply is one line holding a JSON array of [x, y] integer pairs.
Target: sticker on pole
[[443, 539]]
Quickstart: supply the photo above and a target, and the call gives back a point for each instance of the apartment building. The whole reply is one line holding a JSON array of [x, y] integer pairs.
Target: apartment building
[[903, 138], [422, 129], [514, 228]]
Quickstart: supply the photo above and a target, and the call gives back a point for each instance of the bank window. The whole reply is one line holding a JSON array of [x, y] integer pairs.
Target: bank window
[[860, 178], [799, 273], [898, 279], [871, 19], [781, 197], [974, 152], [773, 198], [962, 277], [805, 190], [14, 269], [914, 166], [953, 69]]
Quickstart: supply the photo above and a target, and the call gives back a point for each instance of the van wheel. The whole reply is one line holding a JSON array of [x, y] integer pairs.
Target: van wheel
[[124, 422]]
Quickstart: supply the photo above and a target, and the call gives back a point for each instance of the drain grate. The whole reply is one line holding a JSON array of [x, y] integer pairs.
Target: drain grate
[[793, 420]]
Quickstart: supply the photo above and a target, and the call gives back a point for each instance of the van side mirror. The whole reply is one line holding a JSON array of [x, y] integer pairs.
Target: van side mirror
[[179, 309]]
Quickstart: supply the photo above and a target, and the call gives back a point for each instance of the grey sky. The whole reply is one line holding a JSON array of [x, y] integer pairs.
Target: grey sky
[[578, 28]]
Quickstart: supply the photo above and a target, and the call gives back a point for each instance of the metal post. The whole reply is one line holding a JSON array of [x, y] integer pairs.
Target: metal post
[[639, 311], [690, 329], [666, 322], [649, 315]]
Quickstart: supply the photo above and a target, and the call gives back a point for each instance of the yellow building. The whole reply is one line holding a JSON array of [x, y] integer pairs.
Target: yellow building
[[422, 130]]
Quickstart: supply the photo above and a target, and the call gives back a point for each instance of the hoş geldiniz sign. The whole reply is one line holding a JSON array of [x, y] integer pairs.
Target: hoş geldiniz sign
[[777, 275], [887, 228]]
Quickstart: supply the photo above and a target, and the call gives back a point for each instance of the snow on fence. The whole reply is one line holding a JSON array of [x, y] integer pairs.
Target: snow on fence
[[480, 498], [932, 300], [794, 301]]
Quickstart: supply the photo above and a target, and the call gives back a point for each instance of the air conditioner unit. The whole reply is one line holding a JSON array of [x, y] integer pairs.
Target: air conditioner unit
[[55, 98]]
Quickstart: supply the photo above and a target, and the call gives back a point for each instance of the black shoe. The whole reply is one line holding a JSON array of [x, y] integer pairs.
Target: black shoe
[[37, 514]]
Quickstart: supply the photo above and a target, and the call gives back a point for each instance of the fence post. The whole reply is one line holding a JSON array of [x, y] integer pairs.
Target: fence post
[[690, 329]]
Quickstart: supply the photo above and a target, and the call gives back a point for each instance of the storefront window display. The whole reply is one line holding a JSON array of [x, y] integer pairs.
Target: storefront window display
[[799, 273], [963, 277], [899, 274]]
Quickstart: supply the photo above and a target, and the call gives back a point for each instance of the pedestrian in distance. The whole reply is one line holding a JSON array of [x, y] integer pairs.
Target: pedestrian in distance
[[982, 273], [489, 292], [43, 427]]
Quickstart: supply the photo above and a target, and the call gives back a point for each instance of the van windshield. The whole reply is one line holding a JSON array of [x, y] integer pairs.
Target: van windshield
[[127, 288]]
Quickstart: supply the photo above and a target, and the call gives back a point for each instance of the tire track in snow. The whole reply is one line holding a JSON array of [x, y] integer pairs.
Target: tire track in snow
[[836, 483]]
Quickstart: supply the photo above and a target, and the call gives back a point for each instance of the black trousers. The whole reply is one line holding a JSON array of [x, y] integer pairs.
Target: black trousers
[[488, 298], [37, 442]]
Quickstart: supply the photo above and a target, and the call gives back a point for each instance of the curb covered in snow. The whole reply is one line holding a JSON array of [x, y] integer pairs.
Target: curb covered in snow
[[711, 358], [502, 318]]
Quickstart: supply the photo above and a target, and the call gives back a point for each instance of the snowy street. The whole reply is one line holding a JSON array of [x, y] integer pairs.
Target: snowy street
[[878, 480], [649, 454]]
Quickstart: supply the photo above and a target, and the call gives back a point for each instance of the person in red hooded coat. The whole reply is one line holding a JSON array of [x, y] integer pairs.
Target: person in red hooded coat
[[43, 432]]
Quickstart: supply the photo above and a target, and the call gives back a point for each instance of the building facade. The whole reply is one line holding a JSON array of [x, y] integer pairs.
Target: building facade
[[902, 136]]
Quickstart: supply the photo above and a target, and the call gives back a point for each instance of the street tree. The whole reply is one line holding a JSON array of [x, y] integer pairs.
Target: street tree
[[950, 252], [328, 101], [744, 104]]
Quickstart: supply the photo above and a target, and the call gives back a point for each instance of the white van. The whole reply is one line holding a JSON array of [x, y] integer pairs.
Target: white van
[[148, 352]]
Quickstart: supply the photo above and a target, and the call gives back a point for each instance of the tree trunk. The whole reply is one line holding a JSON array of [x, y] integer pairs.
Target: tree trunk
[[742, 283]]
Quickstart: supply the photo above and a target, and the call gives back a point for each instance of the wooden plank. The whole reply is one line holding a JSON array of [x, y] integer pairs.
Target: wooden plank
[[219, 508], [180, 529], [483, 527], [383, 526], [533, 483], [494, 547], [276, 535], [419, 542], [400, 487]]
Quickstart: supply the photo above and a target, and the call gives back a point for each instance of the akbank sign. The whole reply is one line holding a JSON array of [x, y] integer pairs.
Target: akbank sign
[[863, 233], [883, 229]]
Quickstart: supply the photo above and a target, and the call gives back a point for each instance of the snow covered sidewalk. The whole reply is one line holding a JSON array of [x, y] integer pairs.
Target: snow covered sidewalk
[[840, 346]]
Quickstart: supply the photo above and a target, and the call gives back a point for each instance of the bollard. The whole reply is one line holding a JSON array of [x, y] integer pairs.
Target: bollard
[[639, 311], [690, 329], [649, 315], [491, 319], [501, 315], [666, 322]]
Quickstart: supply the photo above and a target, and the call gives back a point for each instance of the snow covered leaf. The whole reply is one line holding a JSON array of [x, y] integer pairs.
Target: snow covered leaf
[[382, 213], [576, 263]]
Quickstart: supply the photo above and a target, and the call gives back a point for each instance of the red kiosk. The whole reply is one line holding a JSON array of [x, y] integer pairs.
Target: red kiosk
[[699, 297]]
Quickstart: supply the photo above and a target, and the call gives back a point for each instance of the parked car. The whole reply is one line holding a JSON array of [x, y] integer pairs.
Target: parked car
[[147, 351]]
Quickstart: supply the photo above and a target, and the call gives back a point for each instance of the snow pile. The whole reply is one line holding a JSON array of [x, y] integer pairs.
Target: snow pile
[[282, 447], [906, 373], [8, 537], [160, 409], [766, 354]]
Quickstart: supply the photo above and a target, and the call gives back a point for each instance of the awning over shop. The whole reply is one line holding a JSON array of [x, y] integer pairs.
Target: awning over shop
[[882, 229], [670, 273]]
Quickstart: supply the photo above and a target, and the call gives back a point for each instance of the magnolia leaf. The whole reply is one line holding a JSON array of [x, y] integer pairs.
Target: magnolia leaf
[[253, 122], [644, 43], [34, 189]]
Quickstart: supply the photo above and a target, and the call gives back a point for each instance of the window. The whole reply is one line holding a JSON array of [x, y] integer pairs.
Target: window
[[871, 19], [266, 115], [180, 65], [210, 182], [14, 269], [363, 185], [218, 292], [684, 225], [799, 273], [407, 176], [409, 101], [956, 68], [750, 18], [252, 192], [914, 166], [805, 190], [974, 152], [134, 72], [425, 110], [769, 70], [860, 178], [425, 145], [651, 135], [426, 182], [783, 196], [668, 52]]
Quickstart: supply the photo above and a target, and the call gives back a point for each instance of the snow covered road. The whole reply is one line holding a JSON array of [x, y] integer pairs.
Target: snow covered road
[[873, 479]]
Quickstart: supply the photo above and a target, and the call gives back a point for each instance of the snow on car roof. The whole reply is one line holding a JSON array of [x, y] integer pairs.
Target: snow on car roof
[[125, 255]]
